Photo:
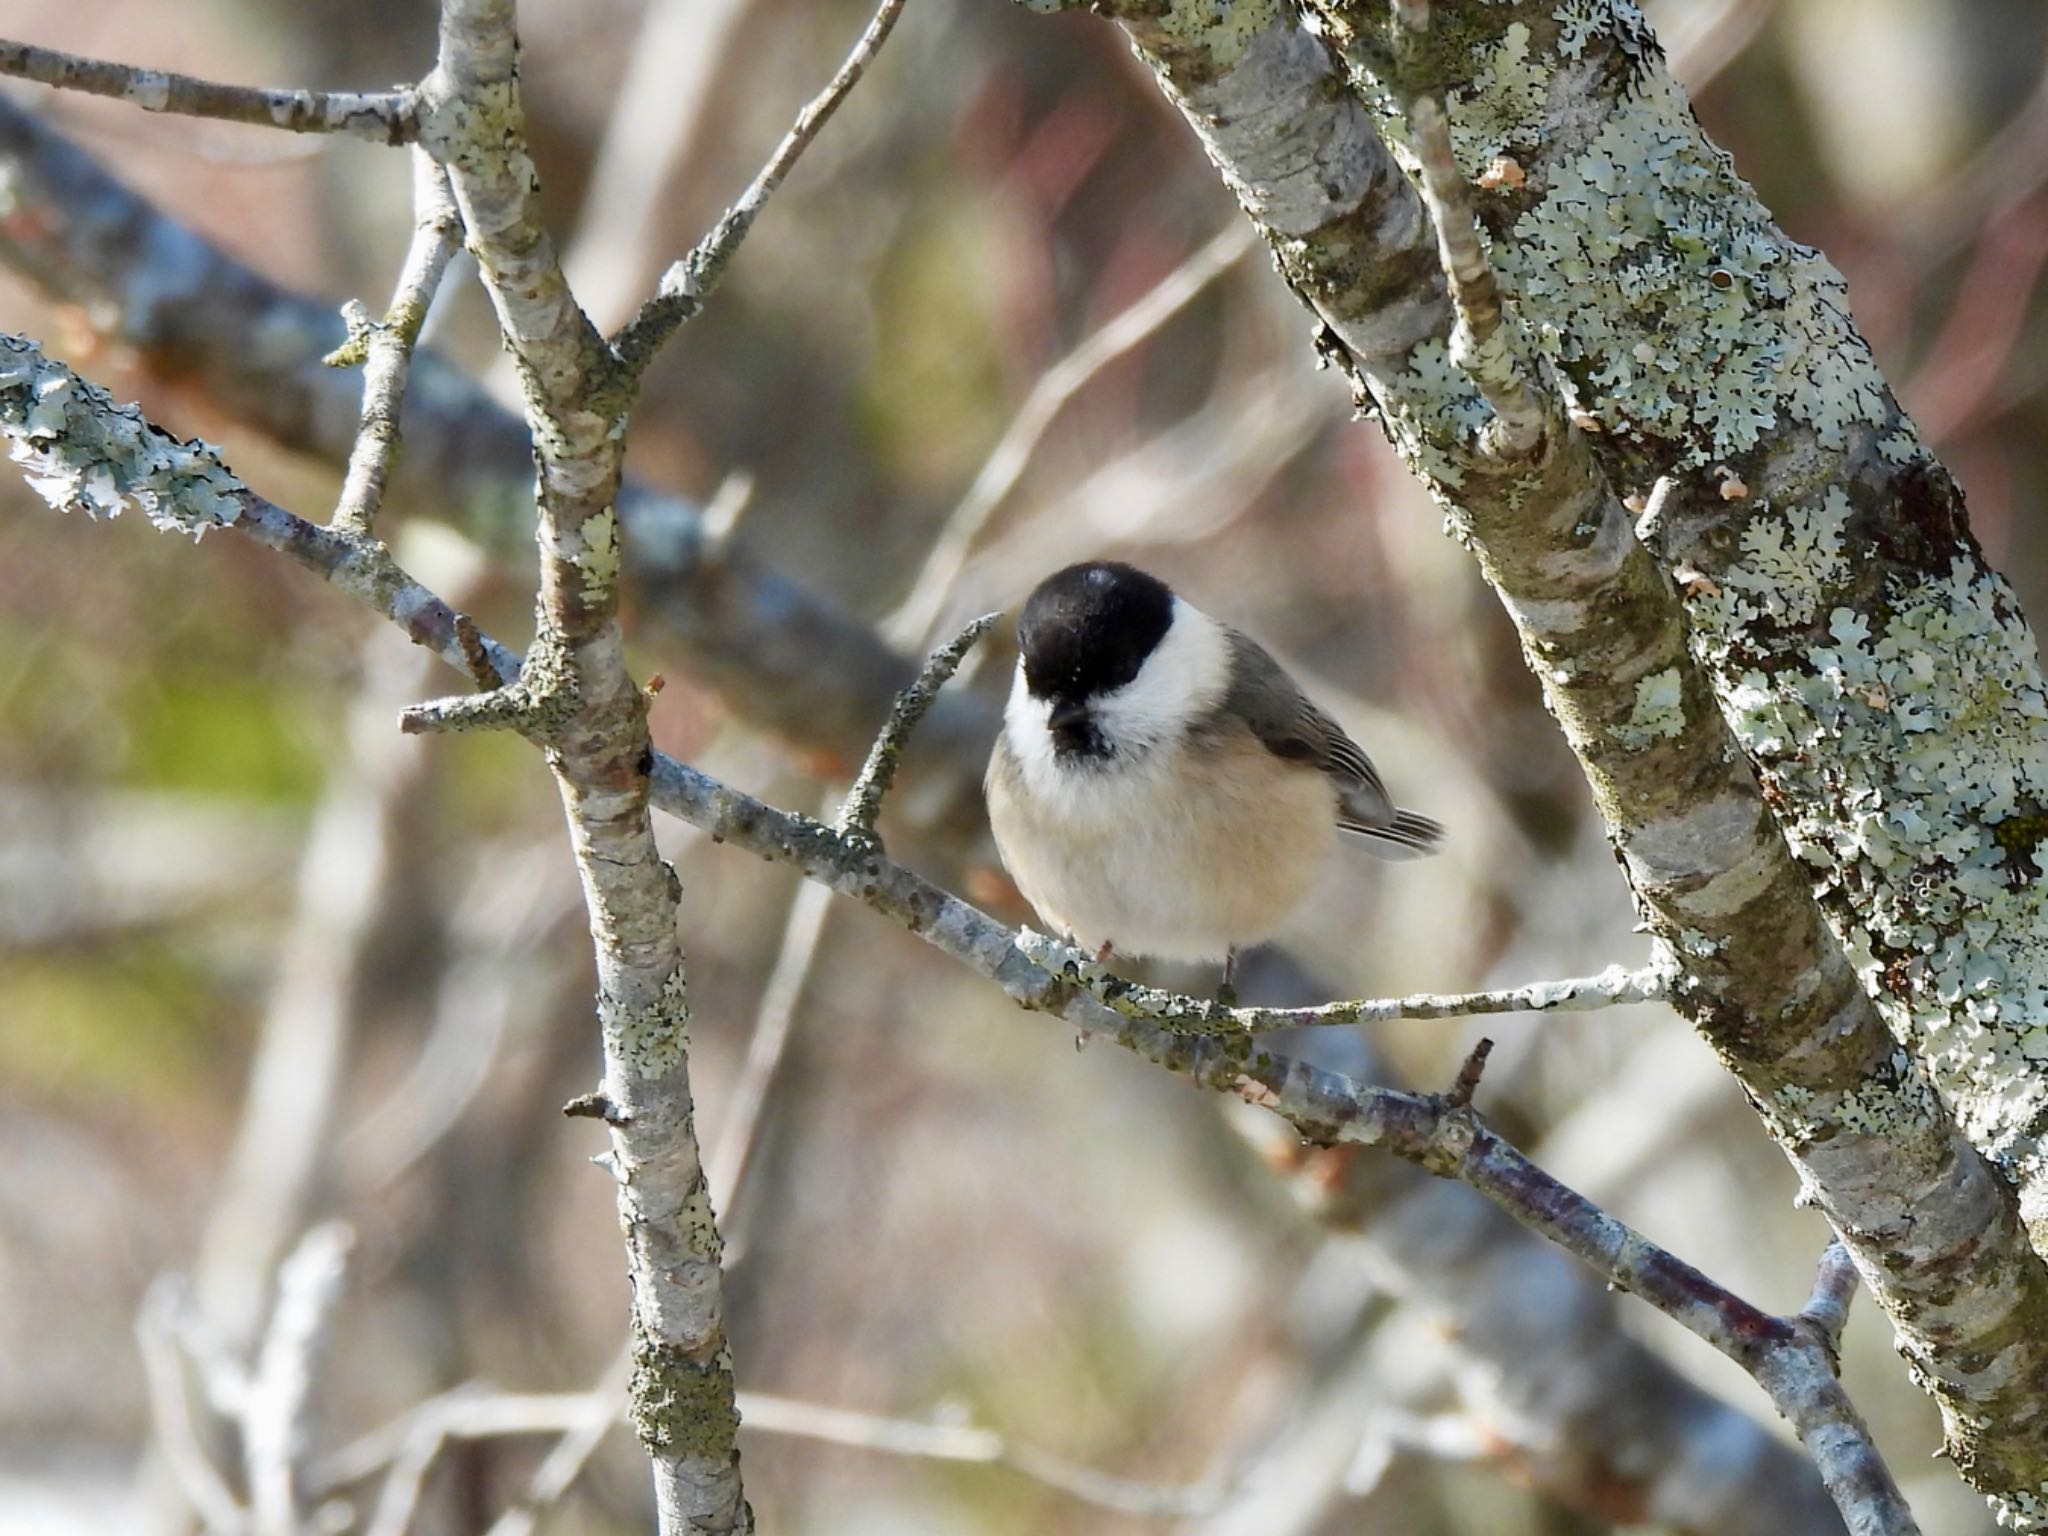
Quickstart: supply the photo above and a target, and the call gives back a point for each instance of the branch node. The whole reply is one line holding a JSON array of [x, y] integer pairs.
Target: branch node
[[595, 1105], [535, 703], [1480, 344], [1466, 1083], [352, 352], [1826, 1311]]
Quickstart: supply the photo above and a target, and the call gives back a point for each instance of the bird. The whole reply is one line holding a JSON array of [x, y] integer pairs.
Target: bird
[[1161, 786]]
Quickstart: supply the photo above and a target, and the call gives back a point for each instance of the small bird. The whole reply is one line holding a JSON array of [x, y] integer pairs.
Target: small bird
[[1161, 786]]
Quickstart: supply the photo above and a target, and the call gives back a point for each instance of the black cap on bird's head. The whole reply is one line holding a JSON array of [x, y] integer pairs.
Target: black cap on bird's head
[[1087, 630]]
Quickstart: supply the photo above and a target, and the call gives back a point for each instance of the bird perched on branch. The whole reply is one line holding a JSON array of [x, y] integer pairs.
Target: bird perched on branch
[[1161, 786]]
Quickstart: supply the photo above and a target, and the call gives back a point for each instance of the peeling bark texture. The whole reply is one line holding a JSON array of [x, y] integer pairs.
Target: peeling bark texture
[[781, 656], [1317, 154]]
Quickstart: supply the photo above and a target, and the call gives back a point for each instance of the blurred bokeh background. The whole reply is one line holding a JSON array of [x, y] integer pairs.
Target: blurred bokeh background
[[216, 851]]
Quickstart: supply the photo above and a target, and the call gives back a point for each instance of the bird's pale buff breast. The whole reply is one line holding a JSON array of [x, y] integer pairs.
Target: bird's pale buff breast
[[1220, 863]]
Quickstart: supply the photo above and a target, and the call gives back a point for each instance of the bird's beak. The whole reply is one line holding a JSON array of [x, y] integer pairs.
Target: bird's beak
[[1068, 715]]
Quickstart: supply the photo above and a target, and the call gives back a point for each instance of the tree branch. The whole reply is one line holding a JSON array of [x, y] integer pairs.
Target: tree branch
[[780, 656], [384, 347], [1004, 467], [864, 800], [1761, 973], [574, 694], [1613, 987], [384, 117], [1323, 1106], [280, 1397], [688, 283]]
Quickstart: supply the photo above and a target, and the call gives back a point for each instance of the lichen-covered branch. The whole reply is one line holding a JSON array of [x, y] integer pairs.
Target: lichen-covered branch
[[864, 800], [1323, 1106], [386, 117], [1613, 987], [1876, 670], [384, 347], [1305, 143], [781, 656], [575, 696], [1570, 1401], [679, 1404]]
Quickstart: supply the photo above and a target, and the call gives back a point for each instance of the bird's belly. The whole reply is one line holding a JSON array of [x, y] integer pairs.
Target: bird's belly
[[1218, 869]]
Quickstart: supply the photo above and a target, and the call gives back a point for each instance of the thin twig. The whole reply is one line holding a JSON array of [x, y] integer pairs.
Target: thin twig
[[1834, 1287], [275, 1434], [1480, 344], [582, 1418], [864, 800], [387, 117], [1466, 1083], [732, 1154], [487, 992], [1614, 987], [972, 1443], [385, 347], [1323, 1106], [577, 694], [688, 283], [170, 1412], [564, 1463], [1006, 463]]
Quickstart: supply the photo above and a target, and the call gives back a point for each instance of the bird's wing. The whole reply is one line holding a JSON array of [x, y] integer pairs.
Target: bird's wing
[[1292, 727]]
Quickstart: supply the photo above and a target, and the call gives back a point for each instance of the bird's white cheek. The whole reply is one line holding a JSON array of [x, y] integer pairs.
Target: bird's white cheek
[[1186, 674], [1027, 723]]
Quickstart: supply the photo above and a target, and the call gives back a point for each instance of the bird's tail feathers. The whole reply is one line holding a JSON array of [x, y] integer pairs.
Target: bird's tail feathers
[[1408, 836]]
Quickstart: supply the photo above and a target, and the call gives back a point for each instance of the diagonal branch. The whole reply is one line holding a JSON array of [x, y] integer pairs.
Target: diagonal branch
[[688, 283], [384, 347], [864, 800], [780, 655], [385, 117], [1922, 1210], [1442, 1137], [1006, 462]]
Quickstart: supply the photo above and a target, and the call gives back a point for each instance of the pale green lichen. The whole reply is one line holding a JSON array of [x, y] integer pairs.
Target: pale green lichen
[[1657, 713], [1665, 290], [1579, 22], [1221, 29], [599, 560], [2024, 1510], [1900, 446], [1894, 1102], [1506, 104], [1433, 413], [1913, 748], [81, 452], [683, 1408], [1788, 565], [653, 1041]]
